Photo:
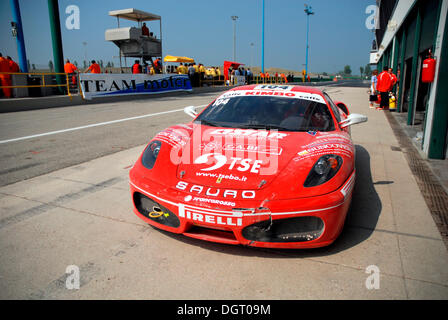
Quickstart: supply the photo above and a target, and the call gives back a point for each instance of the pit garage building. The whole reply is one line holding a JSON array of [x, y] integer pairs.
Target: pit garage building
[[406, 32]]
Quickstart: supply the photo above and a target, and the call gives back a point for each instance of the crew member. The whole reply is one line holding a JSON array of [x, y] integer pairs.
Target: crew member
[[145, 68], [145, 30], [201, 72], [136, 67], [373, 92], [283, 76], [196, 67], [94, 67], [158, 65], [218, 73], [5, 79], [71, 69], [211, 72], [394, 79], [182, 69], [191, 73], [384, 84], [13, 66]]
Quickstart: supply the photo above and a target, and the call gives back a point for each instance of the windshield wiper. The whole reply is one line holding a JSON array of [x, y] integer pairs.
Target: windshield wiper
[[208, 123], [268, 127]]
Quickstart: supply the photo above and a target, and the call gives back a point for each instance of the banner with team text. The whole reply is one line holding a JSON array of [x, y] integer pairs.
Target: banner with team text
[[95, 85]]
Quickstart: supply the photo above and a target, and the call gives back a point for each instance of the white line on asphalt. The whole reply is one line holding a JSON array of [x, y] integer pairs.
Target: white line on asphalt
[[93, 125]]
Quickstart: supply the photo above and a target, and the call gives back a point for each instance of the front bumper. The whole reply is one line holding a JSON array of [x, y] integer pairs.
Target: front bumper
[[299, 223]]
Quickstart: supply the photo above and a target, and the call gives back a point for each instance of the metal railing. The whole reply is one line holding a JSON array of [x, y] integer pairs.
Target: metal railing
[[270, 80], [220, 80], [42, 84], [264, 80], [213, 81]]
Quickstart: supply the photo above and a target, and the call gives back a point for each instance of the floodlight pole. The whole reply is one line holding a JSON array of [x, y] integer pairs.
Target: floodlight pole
[[17, 20], [252, 55], [262, 40], [308, 11], [234, 36]]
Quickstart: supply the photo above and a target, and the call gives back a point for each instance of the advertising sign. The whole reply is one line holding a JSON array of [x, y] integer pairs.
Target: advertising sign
[[95, 85]]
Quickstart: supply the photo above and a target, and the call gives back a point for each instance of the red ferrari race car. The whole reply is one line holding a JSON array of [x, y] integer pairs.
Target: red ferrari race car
[[261, 165]]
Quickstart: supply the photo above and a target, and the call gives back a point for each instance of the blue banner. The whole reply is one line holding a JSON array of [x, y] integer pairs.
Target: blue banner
[[95, 85]]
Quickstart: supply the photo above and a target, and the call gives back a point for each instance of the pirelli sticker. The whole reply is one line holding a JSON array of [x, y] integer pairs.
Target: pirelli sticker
[[202, 216]]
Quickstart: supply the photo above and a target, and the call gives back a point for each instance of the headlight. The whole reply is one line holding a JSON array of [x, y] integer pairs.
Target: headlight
[[150, 154], [323, 170]]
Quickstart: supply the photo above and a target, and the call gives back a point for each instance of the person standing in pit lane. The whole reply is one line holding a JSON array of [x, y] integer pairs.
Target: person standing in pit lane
[[373, 85], [136, 67], [13, 66], [384, 84], [94, 68], [5, 79]]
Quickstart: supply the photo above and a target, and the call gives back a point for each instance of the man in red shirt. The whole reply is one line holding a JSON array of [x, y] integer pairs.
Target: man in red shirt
[[5, 79], [158, 65], [94, 67], [145, 30], [383, 86], [70, 68], [394, 79], [136, 67], [13, 66]]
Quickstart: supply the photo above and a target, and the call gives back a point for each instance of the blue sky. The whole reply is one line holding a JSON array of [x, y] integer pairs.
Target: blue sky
[[203, 29]]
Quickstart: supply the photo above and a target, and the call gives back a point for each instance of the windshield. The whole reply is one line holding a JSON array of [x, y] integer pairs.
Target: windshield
[[255, 112]]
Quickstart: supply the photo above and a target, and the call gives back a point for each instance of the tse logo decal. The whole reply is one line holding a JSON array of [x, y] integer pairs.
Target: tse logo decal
[[236, 163]]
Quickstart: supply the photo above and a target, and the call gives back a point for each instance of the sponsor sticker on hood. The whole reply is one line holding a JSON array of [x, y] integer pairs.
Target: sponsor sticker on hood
[[272, 90]]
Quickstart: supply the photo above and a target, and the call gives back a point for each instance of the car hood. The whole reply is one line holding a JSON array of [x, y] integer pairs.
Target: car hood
[[241, 158]]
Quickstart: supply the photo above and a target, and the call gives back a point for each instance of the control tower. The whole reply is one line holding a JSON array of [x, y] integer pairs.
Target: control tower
[[130, 40]]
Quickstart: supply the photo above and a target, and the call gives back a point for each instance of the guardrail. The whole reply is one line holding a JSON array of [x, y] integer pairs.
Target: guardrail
[[213, 81], [43, 83], [270, 80], [220, 80]]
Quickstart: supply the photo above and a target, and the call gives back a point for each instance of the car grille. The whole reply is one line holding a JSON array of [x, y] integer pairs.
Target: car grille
[[150, 209], [297, 229]]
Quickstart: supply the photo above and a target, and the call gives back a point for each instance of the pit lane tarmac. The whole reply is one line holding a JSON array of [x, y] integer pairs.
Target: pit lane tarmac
[[81, 215], [433, 192]]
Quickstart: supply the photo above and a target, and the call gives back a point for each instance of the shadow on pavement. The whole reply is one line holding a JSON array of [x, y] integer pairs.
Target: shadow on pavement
[[361, 221]]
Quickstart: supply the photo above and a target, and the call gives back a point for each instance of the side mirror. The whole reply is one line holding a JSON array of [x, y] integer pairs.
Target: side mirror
[[353, 118], [191, 111], [342, 106]]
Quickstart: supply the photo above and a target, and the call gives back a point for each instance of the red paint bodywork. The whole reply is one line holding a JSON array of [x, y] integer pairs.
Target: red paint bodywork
[[199, 198]]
